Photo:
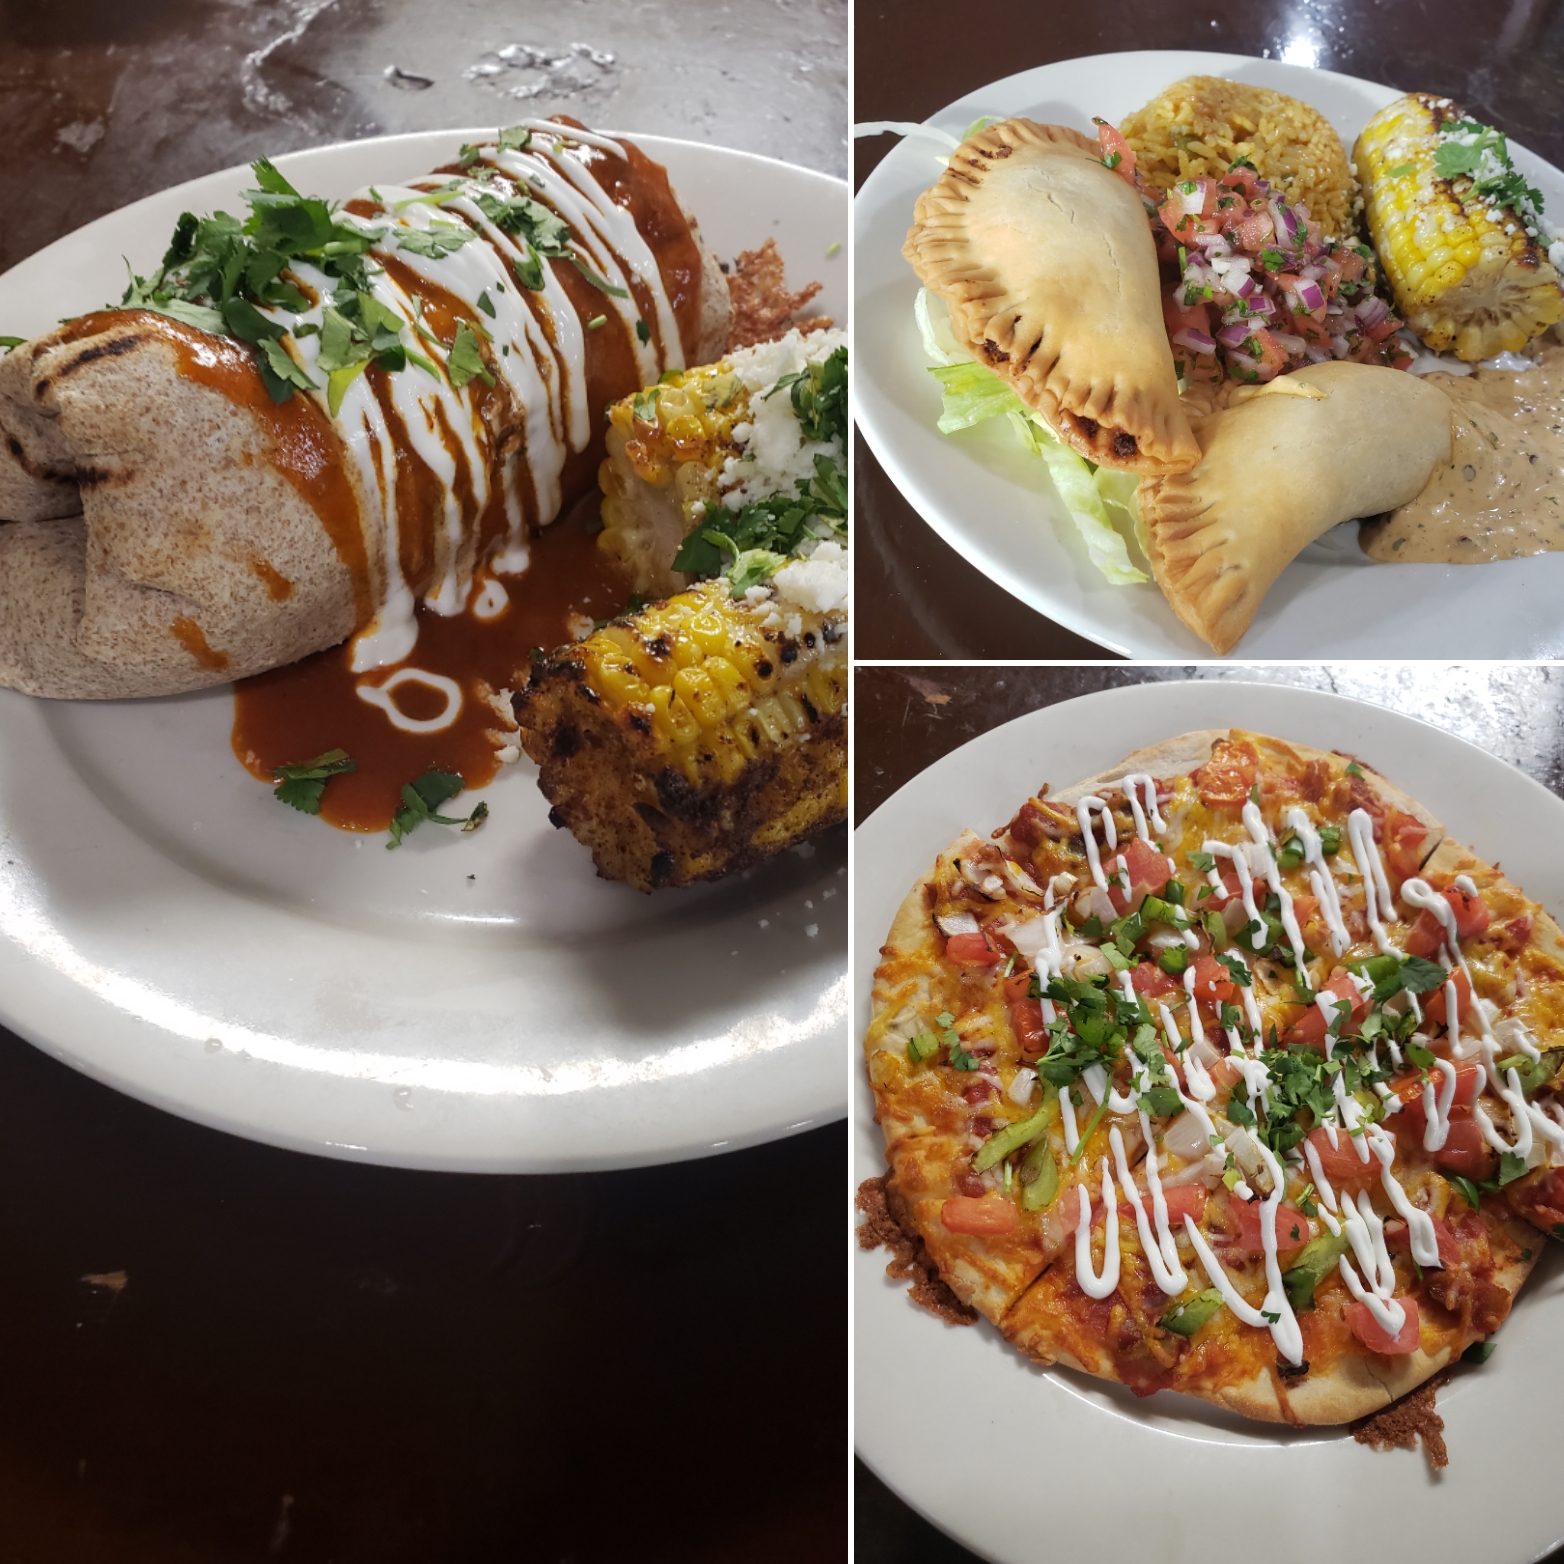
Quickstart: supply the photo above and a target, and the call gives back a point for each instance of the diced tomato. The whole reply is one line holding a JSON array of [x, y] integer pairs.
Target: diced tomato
[[1471, 917], [1224, 1072], [1184, 226], [1255, 230], [1436, 1005], [1273, 358], [1310, 1028], [1292, 1226], [1468, 1076], [1109, 139], [1148, 869], [1241, 179], [1185, 1200], [1213, 982], [1340, 1163], [1385, 328], [1150, 981], [1352, 264], [1402, 844], [1179, 316], [990, 1216], [1464, 1151], [973, 950], [1306, 909], [1026, 1017], [1398, 1238], [1223, 782], [1373, 1335]]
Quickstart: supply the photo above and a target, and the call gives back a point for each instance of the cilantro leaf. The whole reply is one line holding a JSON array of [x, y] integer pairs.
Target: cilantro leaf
[[301, 786], [11, 342], [465, 362], [643, 331], [422, 798], [436, 241], [1479, 1352], [1510, 1168], [1469, 1190], [516, 139]]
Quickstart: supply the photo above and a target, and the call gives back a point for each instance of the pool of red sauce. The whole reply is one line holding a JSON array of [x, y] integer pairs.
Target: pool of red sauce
[[292, 714]]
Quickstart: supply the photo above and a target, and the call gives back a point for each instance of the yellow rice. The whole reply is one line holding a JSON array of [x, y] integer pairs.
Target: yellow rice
[[1201, 125]]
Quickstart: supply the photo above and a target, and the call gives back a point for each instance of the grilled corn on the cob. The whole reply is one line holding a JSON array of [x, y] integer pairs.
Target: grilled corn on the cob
[[701, 444], [694, 737], [1462, 250]]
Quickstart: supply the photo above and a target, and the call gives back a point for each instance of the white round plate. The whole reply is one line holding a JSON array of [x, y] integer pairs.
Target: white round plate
[[477, 1002], [1022, 1463], [993, 503]]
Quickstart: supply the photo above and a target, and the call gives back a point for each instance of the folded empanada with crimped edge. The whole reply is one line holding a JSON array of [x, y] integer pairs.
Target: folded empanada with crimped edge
[[1046, 262], [1279, 470]]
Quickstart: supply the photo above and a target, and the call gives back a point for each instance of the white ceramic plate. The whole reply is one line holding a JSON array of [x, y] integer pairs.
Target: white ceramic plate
[[479, 1002], [994, 504], [1023, 1463]]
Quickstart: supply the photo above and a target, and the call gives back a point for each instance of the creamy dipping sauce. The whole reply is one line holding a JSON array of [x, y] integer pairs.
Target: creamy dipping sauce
[[1502, 495]]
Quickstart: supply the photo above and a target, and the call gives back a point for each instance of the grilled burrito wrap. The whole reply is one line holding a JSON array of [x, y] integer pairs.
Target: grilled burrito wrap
[[179, 507]]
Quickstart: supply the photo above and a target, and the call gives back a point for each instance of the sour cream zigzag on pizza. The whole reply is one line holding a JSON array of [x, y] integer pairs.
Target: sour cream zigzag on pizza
[[1227, 1072]]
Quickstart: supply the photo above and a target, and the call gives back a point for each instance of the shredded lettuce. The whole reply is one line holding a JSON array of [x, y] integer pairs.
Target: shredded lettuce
[[1094, 496]]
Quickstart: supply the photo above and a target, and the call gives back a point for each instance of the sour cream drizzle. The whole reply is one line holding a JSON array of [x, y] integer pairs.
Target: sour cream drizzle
[[539, 350]]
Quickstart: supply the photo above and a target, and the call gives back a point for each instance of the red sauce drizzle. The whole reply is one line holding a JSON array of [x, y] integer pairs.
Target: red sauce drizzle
[[305, 446], [292, 714]]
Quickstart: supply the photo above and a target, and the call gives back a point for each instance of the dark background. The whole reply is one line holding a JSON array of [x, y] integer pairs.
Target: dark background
[[916, 596], [907, 718], [286, 1357]]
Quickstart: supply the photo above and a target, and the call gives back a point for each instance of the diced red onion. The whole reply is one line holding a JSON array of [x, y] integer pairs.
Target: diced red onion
[[1192, 201], [1338, 346], [1372, 311], [1260, 304], [1215, 244], [958, 923], [1312, 273], [1233, 336], [1288, 227], [1195, 340], [1317, 354], [1311, 296], [1335, 307], [1291, 343]]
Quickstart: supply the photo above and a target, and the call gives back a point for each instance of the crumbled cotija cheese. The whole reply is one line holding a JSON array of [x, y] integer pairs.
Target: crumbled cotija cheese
[[774, 454]]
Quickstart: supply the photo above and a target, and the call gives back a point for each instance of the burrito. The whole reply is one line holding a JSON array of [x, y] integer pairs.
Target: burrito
[[307, 422]]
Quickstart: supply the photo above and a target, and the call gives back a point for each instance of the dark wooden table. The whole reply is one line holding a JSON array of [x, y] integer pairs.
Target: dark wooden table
[[216, 1351], [916, 596], [906, 718]]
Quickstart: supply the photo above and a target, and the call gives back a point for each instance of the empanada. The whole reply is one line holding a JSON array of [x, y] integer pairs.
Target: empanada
[[1047, 264], [1280, 469]]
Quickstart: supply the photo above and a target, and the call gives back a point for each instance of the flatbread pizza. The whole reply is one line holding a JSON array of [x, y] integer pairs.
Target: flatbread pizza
[[1226, 1072]]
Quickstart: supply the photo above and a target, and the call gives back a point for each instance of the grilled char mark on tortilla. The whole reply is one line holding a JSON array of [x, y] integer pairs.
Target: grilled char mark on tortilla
[[1047, 265]]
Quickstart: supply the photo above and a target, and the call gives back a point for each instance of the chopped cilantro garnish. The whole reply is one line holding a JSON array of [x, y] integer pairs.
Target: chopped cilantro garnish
[[465, 360], [516, 139], [439, 239], [1354, 769], [11, 342], [1204, 862], [422, 798], [300, 786], [1478, 1352], [643, 331]]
